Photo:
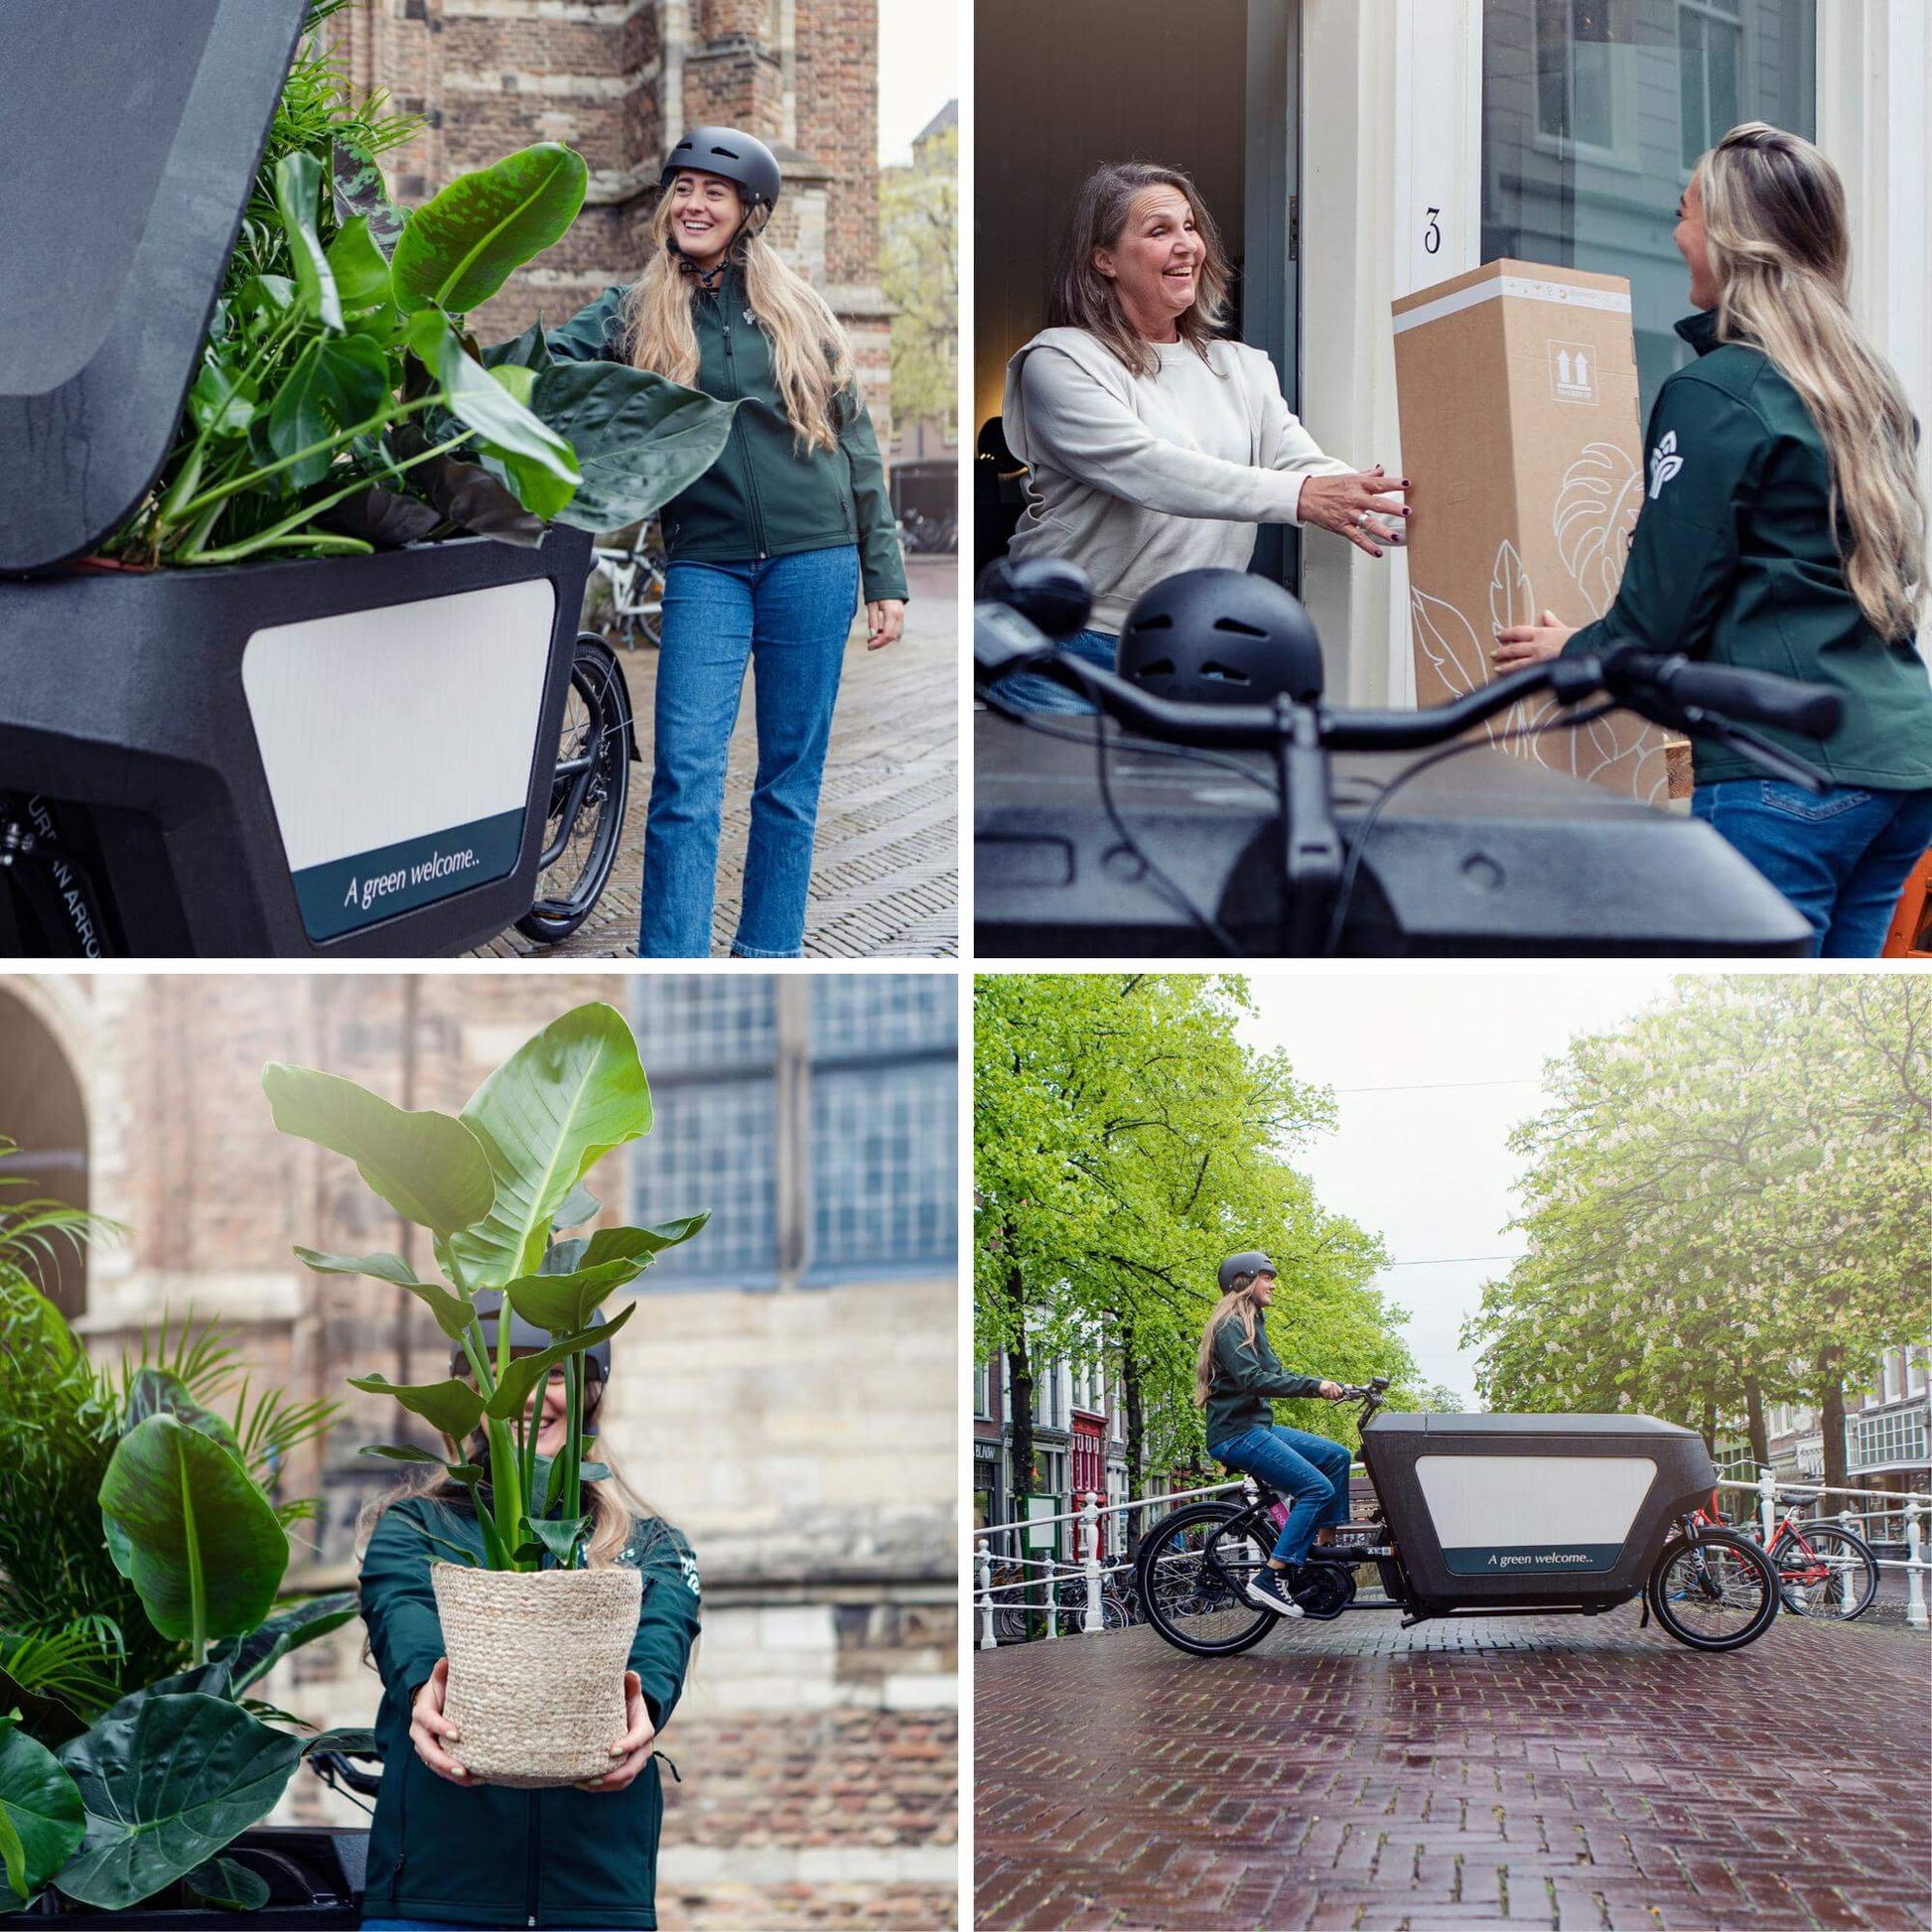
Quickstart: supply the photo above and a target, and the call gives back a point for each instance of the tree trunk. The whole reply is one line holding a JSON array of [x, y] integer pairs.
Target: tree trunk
[[1019, 1399], [1710, 1428], [1754, 1420], [1130, 1382], [1831, 1423]]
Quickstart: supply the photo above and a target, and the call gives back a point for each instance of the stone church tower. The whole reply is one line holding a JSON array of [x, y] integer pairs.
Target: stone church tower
[[619, 81]]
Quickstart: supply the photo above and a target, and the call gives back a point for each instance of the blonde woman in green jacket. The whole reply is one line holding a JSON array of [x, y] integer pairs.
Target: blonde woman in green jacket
[[1783, 530], [771, 550]]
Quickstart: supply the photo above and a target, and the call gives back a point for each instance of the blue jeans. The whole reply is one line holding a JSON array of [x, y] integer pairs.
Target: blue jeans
[[1842, 859], [1031, 692], [1309, 1468], [787, 618]]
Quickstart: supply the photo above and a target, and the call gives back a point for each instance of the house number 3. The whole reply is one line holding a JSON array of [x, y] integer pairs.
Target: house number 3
[[1432, 237]]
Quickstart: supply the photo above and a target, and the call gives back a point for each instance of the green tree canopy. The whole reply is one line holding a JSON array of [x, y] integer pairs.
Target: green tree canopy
[[1724, 1201], [1126, 1141], [918, 269]]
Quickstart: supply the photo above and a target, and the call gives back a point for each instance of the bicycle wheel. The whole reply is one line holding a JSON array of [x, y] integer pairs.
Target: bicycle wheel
[[1190, 1572], [587, 794], [1825, 1570], [1720, 1592]]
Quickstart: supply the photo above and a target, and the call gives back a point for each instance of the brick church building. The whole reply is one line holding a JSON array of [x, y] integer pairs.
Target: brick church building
[[619, 81]]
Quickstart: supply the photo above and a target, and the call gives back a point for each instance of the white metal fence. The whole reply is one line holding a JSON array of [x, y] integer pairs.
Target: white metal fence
[[1912, 1511]]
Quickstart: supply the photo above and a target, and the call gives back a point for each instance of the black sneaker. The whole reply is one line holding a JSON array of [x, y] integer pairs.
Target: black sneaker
[[1268, 1588]]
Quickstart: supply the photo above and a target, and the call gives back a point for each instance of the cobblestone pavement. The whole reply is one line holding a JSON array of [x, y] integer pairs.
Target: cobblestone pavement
[[1548, 1771], [885, 877]]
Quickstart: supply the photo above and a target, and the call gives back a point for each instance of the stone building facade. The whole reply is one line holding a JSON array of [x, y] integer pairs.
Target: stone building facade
[[619, 81], [785, 1393]]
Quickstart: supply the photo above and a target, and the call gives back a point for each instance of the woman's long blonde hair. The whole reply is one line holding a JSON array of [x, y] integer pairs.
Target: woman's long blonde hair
[[1237, 1305], [811, 355], [1779, 247]]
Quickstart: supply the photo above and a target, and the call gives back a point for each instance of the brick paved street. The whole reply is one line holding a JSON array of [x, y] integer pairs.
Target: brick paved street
[[1550, 1772], [885, 877]]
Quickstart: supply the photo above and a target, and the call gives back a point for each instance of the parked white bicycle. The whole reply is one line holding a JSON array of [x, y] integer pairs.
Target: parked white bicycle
[[626, 596]]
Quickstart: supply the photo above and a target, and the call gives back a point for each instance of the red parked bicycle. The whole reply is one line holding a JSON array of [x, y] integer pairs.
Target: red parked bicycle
[[1824, 1568]]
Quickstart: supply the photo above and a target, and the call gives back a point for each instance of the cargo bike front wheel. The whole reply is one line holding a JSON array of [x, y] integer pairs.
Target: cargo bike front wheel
[[1190, 1573], [1713, 1590]]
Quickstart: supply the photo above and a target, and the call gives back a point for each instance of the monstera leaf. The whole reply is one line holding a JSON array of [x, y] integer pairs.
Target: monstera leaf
[[165, 1788], [560, 1103], [1595, 512]]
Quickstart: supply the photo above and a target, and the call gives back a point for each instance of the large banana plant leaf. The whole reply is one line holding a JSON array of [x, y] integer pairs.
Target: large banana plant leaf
[[427, 1166], [252, 1656], [561, 1304], [41, 1816], [155, 1391], [452, 1313], [165, 1787], [190, 1529], [560, 1103], [460, 248]]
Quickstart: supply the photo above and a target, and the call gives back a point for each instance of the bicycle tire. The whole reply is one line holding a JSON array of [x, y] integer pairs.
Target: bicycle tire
[[597, 725], [1219, 1594], [1747, 1553], [1801, 1594]]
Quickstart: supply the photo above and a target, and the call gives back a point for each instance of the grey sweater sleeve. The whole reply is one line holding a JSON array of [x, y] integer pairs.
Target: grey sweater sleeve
[[1087, 432]]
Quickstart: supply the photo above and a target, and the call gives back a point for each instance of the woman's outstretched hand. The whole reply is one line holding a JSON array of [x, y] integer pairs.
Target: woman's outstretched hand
[[1330, 1391], [632, 1752], [885, 619], [1519, 645], [1355, 506], [430, 1729]]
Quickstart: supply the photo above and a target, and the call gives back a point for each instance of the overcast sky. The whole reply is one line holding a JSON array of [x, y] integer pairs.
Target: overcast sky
[[1430, 1071], [918, 70]]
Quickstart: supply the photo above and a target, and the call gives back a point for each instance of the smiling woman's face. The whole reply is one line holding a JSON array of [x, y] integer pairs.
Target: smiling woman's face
[[706, 211], [1156, 264]]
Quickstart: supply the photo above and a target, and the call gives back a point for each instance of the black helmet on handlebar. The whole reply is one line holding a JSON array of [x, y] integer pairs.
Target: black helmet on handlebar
[[1221, 636], [1250, 1263]]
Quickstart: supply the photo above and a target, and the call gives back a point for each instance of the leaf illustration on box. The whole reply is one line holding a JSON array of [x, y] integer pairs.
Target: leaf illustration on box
[[1595, 511], [1511, 601], [1449, 643]]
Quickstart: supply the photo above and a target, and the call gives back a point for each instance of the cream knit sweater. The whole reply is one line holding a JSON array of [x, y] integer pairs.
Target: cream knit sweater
[[1135, 478]]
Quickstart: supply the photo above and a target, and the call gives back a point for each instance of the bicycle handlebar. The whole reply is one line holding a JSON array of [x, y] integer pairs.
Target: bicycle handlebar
[[1668, 690]]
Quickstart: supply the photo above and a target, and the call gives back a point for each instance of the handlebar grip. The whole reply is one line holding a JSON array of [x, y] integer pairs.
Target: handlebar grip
[[1749, 697]]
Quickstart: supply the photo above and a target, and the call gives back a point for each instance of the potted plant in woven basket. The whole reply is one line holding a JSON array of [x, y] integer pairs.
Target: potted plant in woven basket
[[536, 1640]]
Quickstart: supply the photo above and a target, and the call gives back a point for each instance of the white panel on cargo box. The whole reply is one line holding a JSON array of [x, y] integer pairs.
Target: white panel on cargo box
[[380, 726], [1517, 1499]]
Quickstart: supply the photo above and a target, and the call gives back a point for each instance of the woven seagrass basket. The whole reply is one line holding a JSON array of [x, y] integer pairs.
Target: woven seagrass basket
[[536, 1668]]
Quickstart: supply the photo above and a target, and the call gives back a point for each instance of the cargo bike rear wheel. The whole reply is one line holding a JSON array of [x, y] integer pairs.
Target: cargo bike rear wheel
[[588, 794], [1717, 1590], [1190, 1571]]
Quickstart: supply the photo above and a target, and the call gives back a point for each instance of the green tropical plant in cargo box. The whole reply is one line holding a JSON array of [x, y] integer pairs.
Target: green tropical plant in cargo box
[[142, 1552], [341, 403]]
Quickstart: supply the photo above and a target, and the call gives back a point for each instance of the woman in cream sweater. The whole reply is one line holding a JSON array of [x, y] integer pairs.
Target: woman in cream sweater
[[1154, 444]]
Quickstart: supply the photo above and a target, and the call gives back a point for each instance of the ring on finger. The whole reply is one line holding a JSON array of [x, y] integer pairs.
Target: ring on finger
[[1361, 519]]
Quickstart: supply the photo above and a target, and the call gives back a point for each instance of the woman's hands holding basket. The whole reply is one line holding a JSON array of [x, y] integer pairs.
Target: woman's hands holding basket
[[632, 1752]]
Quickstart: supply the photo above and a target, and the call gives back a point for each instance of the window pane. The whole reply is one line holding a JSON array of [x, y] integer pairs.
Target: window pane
[[882, 1012], [884, 1147], [686, 1023], [1593, 112], [713, 1143]]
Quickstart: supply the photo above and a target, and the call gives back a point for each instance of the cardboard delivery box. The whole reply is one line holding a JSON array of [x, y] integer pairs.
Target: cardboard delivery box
[[1518, 391]]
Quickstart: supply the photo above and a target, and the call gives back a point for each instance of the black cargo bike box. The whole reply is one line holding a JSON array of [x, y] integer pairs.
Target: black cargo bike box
[[329, 757]]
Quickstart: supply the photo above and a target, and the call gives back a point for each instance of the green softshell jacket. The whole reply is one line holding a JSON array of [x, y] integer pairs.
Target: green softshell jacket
[[1733, 561], [764, 496], [491, 1855], [1246, 1378]]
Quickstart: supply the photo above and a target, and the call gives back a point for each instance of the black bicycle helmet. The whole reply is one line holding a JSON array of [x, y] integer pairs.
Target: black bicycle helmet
[[525, 1334], [1253, 1262], [1221, 636], [733, 155]]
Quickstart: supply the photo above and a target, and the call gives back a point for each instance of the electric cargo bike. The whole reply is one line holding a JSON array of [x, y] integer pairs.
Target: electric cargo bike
[[1481, 1516]]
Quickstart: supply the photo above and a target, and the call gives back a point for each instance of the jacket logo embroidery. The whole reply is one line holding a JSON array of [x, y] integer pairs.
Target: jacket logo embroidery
[[1665, 463]]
